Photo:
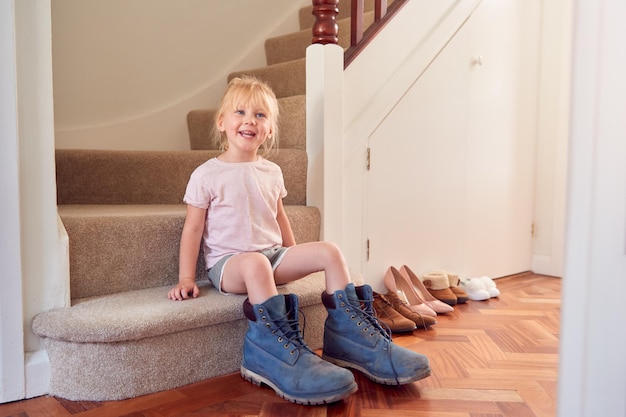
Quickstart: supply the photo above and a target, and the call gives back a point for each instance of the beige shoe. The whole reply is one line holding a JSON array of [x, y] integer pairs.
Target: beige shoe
[[396, 284], [455, 282], [438, 285], [429, 298]]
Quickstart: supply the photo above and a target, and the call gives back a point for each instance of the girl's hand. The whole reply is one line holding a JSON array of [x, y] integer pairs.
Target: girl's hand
[[183, 290]]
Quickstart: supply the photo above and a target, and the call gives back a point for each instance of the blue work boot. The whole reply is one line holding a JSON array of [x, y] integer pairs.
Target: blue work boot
[[353, 338], [275, 354]]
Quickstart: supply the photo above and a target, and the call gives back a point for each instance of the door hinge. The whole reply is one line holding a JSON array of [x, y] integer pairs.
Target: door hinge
[[532, 230], [368, 163], [367, 250]]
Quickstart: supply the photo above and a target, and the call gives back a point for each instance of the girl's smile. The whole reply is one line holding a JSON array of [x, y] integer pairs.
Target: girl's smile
[[246, 129]]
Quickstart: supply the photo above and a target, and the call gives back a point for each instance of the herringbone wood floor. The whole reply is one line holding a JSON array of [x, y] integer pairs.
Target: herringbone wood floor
[[489, 358]]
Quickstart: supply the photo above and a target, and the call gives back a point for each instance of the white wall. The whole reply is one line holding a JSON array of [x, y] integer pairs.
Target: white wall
[[127, 73]]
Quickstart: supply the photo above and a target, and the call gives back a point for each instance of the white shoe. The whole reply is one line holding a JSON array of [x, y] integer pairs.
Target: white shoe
[[475, 289], [490, 286]]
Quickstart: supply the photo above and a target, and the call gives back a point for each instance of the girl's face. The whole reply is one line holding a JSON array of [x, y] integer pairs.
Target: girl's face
[[246, 127]]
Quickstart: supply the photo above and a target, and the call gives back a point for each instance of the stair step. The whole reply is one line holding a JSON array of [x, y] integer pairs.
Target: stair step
[[291, 125], [129, 344], [286, 79], [119, 248], [152, 177]]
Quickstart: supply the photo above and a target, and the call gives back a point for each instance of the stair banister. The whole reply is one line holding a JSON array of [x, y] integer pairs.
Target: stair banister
[[356, 21], [380, 9], [383, 13], [325, 28]]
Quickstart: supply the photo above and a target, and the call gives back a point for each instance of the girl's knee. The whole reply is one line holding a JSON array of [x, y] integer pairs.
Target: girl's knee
[[330, 250], [332, 247], [252, 262], [256, 259], [250, 273]]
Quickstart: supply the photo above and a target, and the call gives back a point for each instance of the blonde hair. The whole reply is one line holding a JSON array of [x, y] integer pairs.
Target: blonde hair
[[248, 90]]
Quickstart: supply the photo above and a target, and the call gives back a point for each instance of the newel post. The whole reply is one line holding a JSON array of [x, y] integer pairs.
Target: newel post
[[325, 28]]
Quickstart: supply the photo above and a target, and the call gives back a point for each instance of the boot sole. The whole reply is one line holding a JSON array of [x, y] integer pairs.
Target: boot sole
[[424, 373], [257, 380]]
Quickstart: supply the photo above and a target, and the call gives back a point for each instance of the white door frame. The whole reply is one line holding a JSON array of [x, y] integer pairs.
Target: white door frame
[[33, 259], [12, 378], [592, 374]]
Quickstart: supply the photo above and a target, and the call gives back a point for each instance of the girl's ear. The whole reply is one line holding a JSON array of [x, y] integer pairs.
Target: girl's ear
[[220, 123]]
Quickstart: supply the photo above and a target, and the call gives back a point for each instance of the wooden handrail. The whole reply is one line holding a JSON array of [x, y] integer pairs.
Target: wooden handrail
[[325, 29], [382, 15]]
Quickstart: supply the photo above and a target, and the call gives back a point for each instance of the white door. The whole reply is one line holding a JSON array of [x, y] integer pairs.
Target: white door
[[450, 184]]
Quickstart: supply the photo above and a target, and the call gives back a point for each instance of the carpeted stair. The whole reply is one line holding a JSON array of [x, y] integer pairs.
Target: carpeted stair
[[123, 213], [121, 337]]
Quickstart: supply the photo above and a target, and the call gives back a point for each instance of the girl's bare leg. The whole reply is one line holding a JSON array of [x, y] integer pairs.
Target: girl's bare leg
[[306, 258], [249, 273]]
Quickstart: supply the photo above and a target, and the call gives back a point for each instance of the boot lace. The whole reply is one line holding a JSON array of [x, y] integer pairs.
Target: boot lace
[[364, 311], [289, 331]]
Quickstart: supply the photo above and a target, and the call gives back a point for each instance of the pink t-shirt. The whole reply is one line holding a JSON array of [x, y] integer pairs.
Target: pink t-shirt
[[241, 201]]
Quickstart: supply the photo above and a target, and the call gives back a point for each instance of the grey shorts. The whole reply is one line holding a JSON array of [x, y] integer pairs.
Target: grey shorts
[[216, 272]]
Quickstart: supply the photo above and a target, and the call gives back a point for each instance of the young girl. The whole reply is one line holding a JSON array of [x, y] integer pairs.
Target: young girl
[[235, 211]]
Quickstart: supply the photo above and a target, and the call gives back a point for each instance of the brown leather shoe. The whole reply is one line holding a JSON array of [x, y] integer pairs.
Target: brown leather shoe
[[422, 321], [386, 314]]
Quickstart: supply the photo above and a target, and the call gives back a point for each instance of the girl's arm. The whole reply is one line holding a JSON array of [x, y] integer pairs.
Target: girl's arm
[[189, 250], [285, 226]]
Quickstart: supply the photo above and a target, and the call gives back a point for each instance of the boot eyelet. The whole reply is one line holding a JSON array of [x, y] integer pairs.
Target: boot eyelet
[[359, 323], [268, 325], [293, 352], [280, 339], [260, 311], [286, 346]]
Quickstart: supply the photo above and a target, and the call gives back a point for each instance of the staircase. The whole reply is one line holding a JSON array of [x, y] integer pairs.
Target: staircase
[[123, 213]]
